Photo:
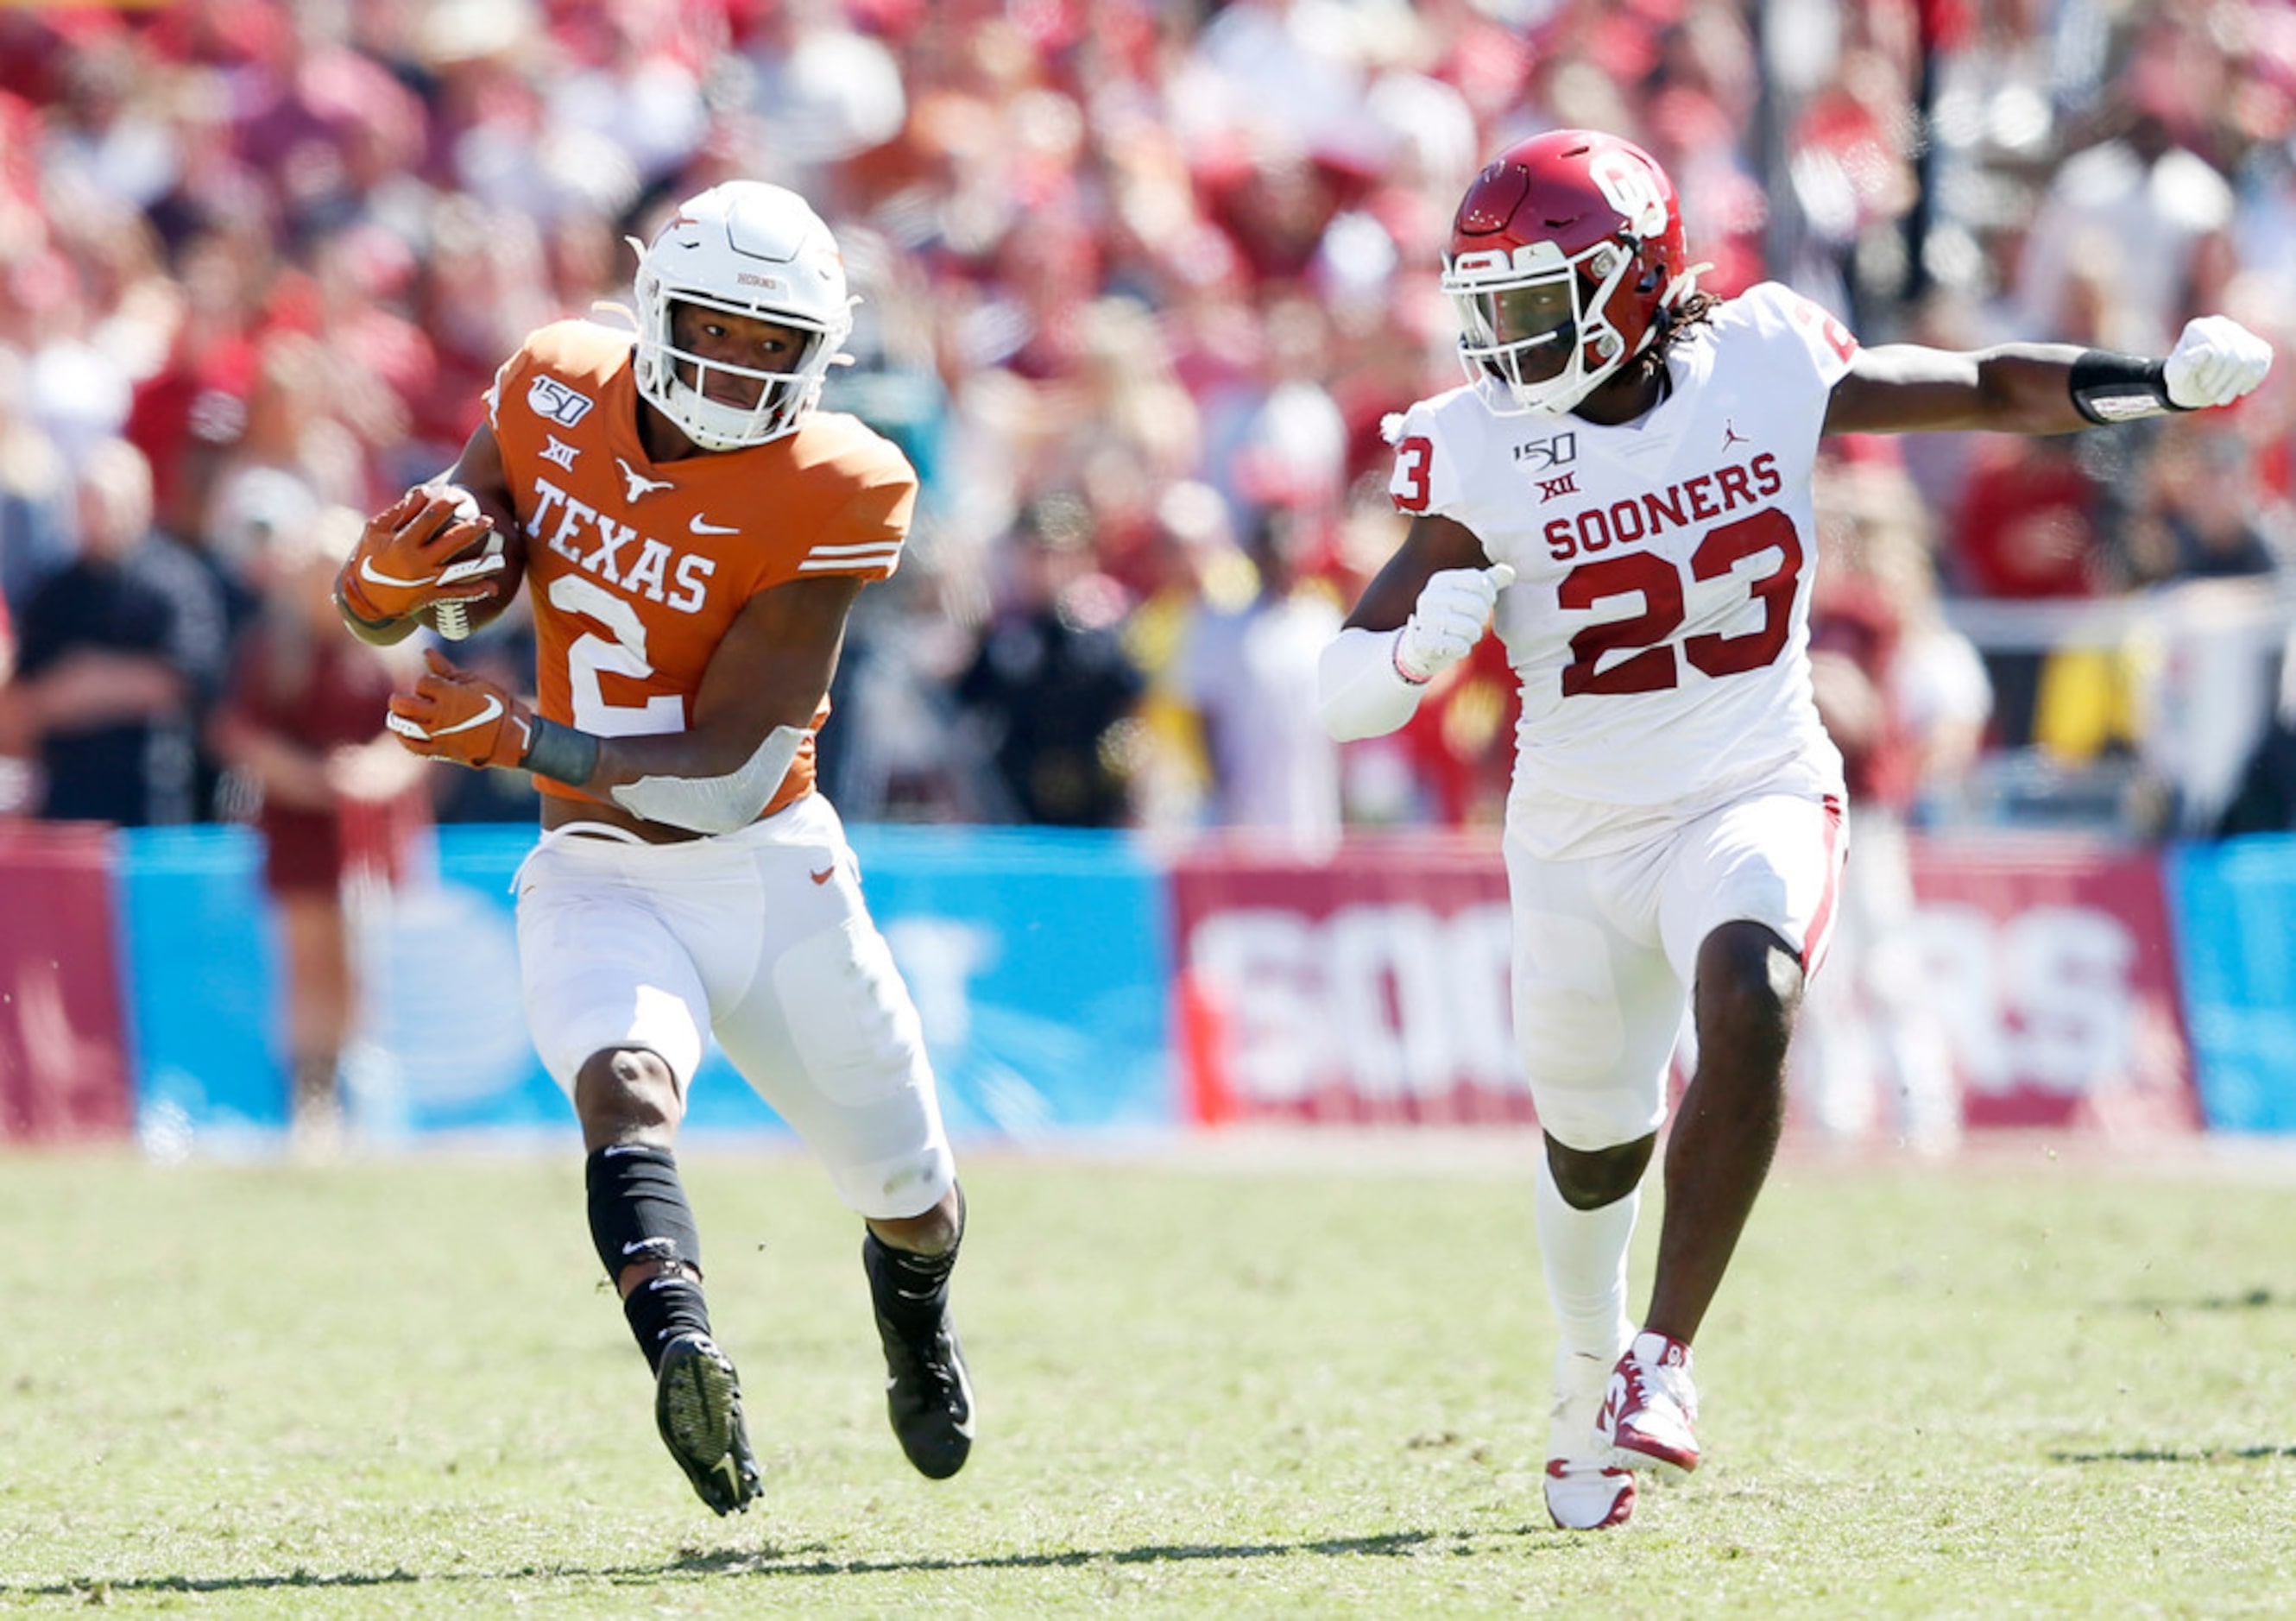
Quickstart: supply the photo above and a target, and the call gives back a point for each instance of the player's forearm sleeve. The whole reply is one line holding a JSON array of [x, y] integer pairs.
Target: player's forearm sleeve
[[714, 805], [1358, 690]]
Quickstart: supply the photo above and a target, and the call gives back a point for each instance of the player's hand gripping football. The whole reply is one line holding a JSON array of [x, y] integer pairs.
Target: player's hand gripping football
[[1454, 607], [2215, 362], [453, 714], [409, 557]]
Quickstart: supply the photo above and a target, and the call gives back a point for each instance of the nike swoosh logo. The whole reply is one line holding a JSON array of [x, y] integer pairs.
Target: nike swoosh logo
[[823, 876], [494, 708], [700, 525], [374, 576], [468, 568]]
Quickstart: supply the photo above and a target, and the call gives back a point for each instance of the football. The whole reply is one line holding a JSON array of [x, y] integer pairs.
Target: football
[[498, 561]]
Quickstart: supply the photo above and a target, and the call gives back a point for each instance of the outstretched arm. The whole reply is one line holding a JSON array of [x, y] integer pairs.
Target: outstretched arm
[[2042, 387]]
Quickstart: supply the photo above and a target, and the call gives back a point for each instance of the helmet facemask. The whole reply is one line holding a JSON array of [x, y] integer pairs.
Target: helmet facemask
[[678, 380], [1529, 320]]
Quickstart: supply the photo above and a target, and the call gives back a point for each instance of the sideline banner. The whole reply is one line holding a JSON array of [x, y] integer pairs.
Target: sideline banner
[[1373, 986], [1370, 986], [2051, 962], [1036, 962], [1067, 983], [65, 1070], [2235, 905], [199, 965]]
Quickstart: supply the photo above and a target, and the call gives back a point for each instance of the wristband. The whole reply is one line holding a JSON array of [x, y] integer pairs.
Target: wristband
[[1394, 656], [2107, 386], [344, 606], [560, 753]]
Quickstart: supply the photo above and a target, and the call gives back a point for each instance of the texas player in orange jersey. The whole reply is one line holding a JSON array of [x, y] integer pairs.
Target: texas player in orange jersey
[[694, 532]]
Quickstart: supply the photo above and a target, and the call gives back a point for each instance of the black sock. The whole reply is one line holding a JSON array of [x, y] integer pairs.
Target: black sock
[[638, 1211], [663, 1307], [911, 1290]]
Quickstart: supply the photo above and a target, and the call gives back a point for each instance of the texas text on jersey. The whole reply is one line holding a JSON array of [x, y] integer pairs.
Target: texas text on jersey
[[1659, 618], [637, 570]]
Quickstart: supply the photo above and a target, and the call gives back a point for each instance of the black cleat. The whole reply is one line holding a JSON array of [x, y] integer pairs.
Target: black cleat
[[927, 1389], [697, 1403]]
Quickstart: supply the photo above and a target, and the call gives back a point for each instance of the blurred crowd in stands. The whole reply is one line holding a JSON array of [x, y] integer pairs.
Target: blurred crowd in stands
[[1142, 281]]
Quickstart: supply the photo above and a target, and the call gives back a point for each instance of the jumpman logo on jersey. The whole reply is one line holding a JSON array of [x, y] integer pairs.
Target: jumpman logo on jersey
[[636, 483], [1731, 436]]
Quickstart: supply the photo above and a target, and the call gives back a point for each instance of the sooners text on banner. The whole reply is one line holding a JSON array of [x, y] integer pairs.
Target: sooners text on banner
[[1374, 987], [2052, 964]]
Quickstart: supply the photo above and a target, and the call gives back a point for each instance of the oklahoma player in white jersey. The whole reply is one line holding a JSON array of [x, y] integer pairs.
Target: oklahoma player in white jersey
[[694, 533], [1624, 486]]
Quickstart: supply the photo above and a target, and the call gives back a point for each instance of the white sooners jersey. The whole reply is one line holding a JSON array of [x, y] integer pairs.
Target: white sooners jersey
[[1659, 621]]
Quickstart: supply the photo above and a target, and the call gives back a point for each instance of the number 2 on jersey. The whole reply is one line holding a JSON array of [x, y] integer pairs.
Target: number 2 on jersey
[[624, 654], [1651, 667]]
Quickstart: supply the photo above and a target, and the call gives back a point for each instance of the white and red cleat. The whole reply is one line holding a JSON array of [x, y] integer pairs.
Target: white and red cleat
[[1651, 1408], [1588, 1496], [1585, 1490]]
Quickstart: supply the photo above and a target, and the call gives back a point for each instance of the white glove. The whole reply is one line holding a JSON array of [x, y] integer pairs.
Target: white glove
[[2215, 362], [1454, 607]]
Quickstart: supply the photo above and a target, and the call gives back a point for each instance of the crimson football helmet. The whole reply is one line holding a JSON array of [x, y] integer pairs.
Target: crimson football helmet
[[1566, 255], [743, 248]]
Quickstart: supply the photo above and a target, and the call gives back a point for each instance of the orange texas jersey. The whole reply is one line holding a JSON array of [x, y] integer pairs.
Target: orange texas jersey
[[636, 571]]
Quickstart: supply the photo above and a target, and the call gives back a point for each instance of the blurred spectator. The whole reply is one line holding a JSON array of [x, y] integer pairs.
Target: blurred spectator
[[2201, 515], [292, 456], [121, 651], [79, 393], [192, 408], [1192, 571], [2138, 214], [2264, 800], [1902, 696], [1051, 695], [1251, 674], [820, 90], [2202, 666], [1286, 443], [301, 727], [35, 495], [2026, 531]]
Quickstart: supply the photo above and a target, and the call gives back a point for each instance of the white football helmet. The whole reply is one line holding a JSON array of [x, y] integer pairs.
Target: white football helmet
[[747, 248]]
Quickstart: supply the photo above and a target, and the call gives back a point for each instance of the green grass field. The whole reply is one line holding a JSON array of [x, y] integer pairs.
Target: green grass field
[[1231, 1382]]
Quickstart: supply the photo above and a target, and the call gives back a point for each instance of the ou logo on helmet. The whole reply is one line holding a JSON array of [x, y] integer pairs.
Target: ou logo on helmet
[[1628, 187]]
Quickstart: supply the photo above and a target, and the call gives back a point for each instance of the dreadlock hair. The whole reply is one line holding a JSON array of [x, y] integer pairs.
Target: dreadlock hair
[[1696, 310]]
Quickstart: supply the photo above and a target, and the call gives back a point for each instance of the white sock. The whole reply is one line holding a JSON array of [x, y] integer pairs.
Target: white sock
[[1584, 1254]]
